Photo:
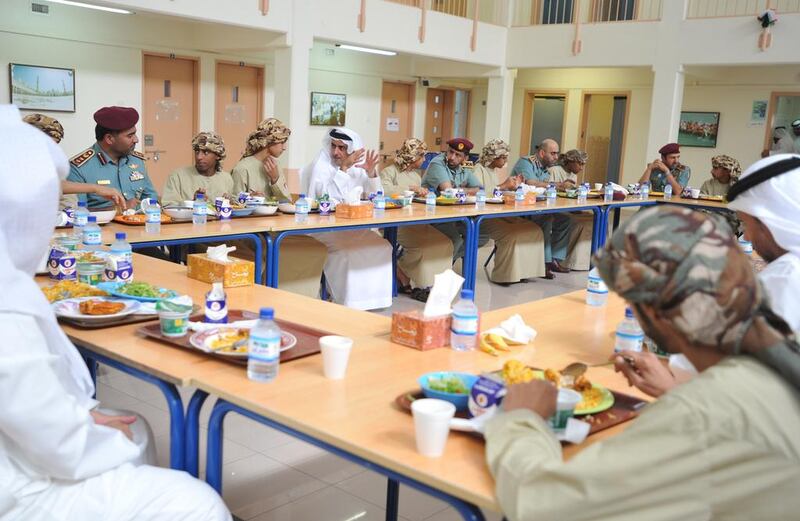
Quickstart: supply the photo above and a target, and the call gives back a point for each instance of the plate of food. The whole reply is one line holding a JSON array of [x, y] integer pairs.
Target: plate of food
[[138, 219], [66, 289], [95, 308], [141, 291], [231, 341]]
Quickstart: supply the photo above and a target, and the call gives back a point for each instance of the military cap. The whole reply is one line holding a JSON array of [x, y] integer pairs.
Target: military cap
[[461, 144], [116, 118], [669, 148]]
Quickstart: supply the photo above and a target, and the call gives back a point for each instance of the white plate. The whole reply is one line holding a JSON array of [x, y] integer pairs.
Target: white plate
[[69, 308], [263, 209], [202, 340]]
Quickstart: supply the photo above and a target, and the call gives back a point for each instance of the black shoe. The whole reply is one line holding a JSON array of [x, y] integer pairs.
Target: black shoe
[[558, 268], [420, 294]]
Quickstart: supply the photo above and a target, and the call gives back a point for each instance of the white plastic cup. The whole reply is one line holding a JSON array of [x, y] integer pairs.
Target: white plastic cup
[[565, 408], [598, 186], [432, 425], [335, 355], [695, 193]]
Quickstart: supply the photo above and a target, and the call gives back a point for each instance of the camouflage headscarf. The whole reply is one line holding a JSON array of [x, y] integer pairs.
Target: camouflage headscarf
[[574, 155], [210, 142], [492, 150], [46, 124], [688, 267], [269, 132], [729, 164], [411, 150]]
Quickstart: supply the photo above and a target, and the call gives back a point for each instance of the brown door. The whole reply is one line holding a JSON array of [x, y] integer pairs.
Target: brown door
[[238, 106], [396, 117], [602, 136], [170, 114]]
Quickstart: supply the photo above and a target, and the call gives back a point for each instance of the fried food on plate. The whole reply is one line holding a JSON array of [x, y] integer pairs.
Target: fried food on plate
[[100, 307]]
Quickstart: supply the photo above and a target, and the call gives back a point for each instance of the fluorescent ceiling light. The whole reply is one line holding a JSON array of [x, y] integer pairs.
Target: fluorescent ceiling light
[[366, 49], [91, 6]]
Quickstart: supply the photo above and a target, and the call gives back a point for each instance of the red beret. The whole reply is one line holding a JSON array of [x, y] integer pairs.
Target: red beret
[[460, 144], [116, 118], [669, 148]]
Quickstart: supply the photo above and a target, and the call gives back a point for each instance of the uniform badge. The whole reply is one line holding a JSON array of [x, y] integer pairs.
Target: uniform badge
[[81, 158], [104, 181], [133, 166], [136, 176]]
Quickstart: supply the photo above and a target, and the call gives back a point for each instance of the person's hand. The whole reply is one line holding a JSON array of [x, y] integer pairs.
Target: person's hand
[[352, 159], [512, 183], [110, 193], [538, 396], [271, 166], [661, 166], [131, 203], [419, 190], [370, 162], [645, 372], [199, 191], [121, 423]]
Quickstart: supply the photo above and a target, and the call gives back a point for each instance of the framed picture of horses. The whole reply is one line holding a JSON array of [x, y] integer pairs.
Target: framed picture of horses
[[698, 129]]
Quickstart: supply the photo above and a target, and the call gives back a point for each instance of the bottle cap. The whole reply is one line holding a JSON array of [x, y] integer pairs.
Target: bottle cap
[[266, 313], [302, 196], [92, 218], [120, 236], [200, 196], [81, 204], [467, 294], [380, 192], [628, 312]]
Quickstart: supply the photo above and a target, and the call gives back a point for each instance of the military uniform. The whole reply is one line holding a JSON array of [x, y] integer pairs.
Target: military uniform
[[531, 169], [128, 175], [658, 179]]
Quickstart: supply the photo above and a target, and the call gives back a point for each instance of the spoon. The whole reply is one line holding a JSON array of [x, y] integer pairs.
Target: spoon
[[576, 369]]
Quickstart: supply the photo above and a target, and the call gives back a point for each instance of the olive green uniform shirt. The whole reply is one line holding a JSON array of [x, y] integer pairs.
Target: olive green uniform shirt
[[184, 182], [249, 175], [394, 181]]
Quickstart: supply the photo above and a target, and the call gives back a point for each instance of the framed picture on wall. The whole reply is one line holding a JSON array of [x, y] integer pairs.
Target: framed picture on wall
[[328, 109], [35, 87], [698, 129]]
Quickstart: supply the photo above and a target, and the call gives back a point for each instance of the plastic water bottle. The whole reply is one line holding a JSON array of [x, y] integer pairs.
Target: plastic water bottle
[[645, 191], [301, 209], [667, 192], [264, 348], [119, 264], [583, 194], [216, 305], [480, 199], [152, 212], [550, 194], [379, 204], [464, 328], [596, 289], [608, 194], [519, 195], [630, 336], [80, 216], [430, 202], [92, 237], [199, 210]]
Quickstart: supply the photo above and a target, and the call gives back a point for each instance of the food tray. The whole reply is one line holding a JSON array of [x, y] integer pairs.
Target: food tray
[[307, 337], [165, 219], [590, 195], [626, 407], [135, 318]]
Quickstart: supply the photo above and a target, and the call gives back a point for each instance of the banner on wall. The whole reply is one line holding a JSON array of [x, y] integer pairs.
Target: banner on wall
[[758, 114]]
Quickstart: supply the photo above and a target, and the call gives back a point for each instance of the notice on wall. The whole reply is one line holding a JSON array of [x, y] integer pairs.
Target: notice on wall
[[758, 114], [393, 124]]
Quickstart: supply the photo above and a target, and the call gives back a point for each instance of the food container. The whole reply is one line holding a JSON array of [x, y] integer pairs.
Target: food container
[[509, 198], [235, 272], [354, 211], [68, 242], [61, 264], [324, 207], [458, 399], [91, 273], [486, 394], [173, 318], [565, 408], [413, 329]]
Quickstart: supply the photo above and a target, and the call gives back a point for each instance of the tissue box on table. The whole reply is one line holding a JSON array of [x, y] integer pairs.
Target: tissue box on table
[[235, 272], [413, 329], [509, 198], [353, 211]]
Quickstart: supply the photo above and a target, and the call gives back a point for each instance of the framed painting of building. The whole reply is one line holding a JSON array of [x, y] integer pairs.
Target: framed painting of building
[[36, 87]]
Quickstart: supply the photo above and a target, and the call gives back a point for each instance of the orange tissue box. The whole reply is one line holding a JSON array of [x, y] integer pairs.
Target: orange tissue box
[[236, 272], [352, 211], [412, 329], [510, 199]]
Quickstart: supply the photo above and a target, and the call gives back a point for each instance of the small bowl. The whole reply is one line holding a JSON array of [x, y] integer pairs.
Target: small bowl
[[178, 212], [242, 212], [263, 209], [459, 400], [286, 207], [104, 216]]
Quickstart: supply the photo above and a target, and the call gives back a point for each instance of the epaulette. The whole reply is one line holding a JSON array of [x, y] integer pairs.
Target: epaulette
[[79, 159], [138, 154]]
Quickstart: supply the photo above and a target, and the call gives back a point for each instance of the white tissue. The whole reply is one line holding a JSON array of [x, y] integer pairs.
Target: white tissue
[[538, 190], [149, 308], [446, 286], [353, 196], [219, 253], [620, 188], [575, 432], [514, 329]]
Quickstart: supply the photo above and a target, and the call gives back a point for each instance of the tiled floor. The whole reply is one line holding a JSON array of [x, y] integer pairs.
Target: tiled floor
[[269, 476]]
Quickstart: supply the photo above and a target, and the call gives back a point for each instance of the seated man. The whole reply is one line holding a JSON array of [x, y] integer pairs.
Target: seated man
[[565, 172], [723, 445], [112, 160], [53, 128], [426, 251], [556, 227], [518, 241], [61, 459], [565, 175], [205, 177], [359, 265], [782, 143], [667, 170], [257, 172], [725, 171]]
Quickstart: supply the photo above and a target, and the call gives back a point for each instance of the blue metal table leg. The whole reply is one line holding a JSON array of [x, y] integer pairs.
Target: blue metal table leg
[[392, 499], [268, 258], [390, 234], [192, 461], [174, 404], [469, 263], [221, 408]]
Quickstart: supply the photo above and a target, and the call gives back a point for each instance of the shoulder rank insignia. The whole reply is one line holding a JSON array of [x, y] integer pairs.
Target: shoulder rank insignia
[[138, 154], [79, 159]]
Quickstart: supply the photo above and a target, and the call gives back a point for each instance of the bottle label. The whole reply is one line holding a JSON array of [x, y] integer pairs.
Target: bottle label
[[519, 196], [92, 238], [481, 197], [596, 285], [464, 324], [61, 265], [216, 311], [380, 204], [119, 269], [497, 193], [80, 220], [264, 349], [153, 217], [200, 209], [628, 342]]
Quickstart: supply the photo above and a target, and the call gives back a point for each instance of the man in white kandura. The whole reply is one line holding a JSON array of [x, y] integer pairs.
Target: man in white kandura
[[359, 265], [60, 459]]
